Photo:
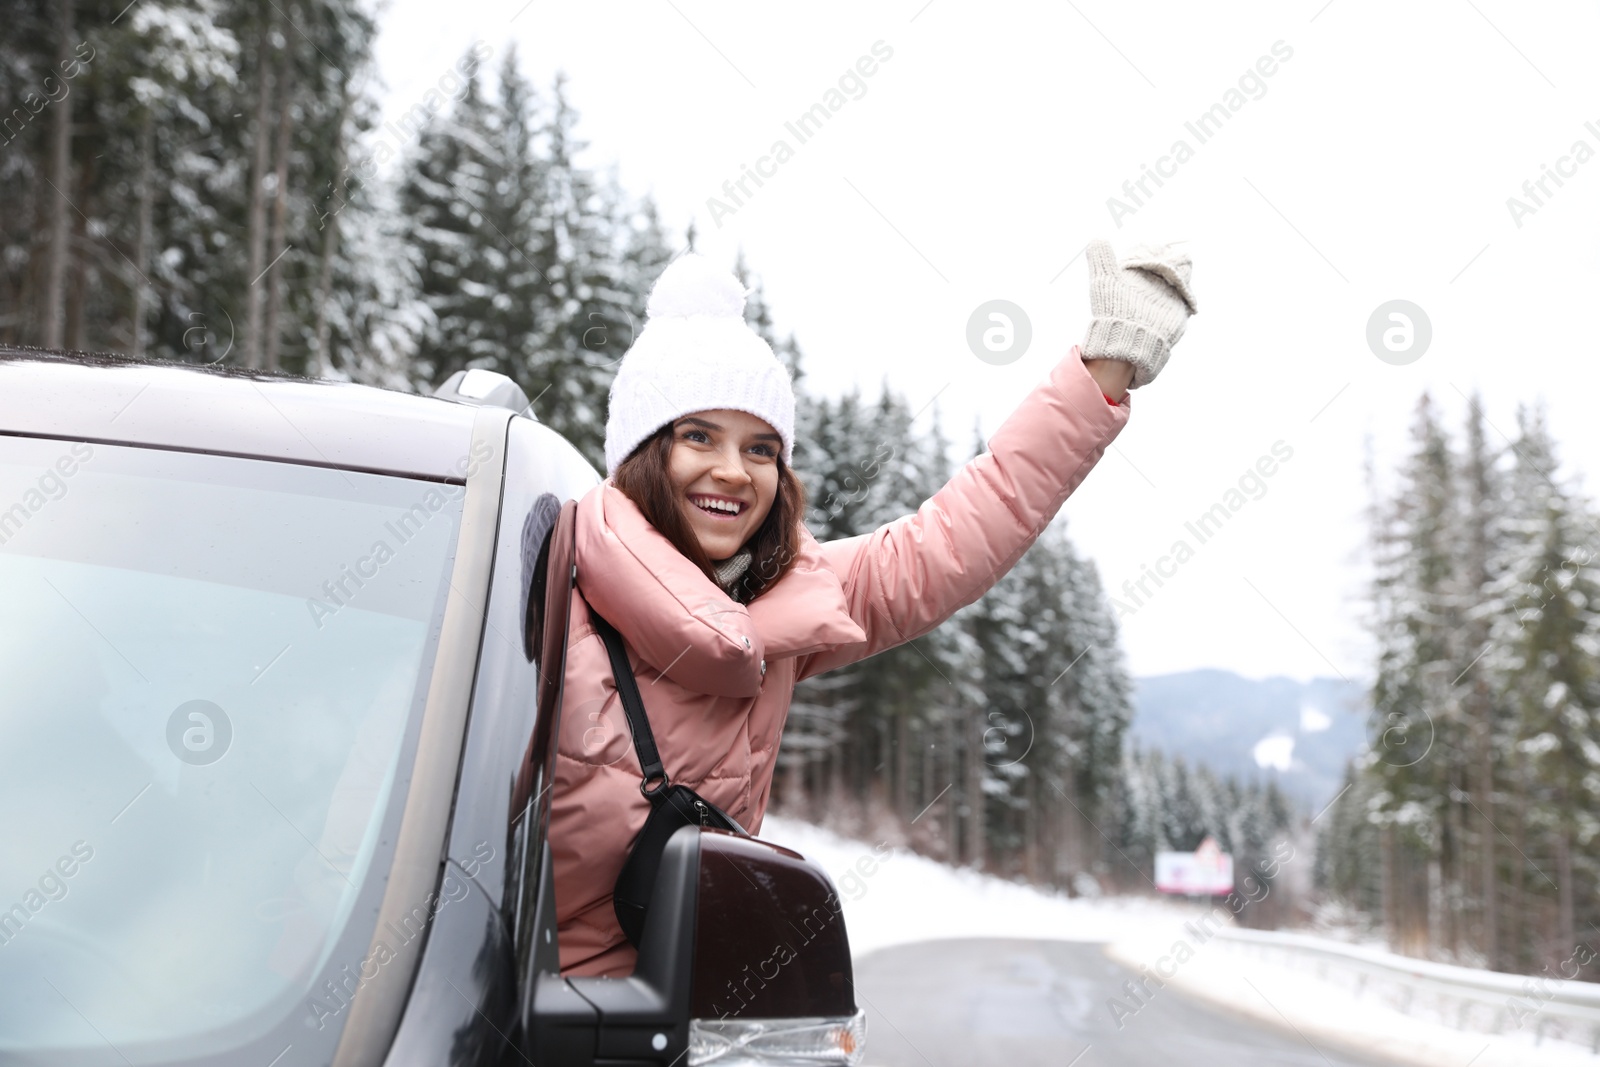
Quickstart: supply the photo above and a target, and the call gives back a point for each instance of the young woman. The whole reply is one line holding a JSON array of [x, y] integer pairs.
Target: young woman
[[695, 550]]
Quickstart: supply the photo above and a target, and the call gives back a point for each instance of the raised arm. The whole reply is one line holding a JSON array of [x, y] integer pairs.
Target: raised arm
[[909, 575], [906, 577]]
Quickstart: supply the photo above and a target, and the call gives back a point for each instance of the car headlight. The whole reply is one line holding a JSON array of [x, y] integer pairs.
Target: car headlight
[[773, 1042]]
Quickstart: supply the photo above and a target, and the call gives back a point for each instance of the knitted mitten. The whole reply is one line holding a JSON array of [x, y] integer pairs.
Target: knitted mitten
[[1140, 309]]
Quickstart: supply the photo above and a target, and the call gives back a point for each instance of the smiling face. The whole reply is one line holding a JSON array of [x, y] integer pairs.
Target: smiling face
[[724, 472]]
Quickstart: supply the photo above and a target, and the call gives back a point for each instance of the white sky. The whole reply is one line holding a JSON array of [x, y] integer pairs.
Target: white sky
[[1376, 166]]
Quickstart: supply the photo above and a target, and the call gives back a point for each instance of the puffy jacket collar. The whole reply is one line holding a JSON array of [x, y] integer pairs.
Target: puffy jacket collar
[[681, 623]]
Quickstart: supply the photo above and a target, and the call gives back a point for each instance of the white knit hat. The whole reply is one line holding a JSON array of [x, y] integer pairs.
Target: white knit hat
[[695, 353]]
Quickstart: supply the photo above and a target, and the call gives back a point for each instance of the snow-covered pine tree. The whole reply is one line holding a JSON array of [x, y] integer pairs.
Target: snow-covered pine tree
[[1348, 865], [1417, 737], [815, 735], [364, 315], [26, 51], [1099, 702], [1124, 823], [647, 251], [447, 195], [1180, 816], [317, 208], [509, 235], [1480, 693], [143, 99], [880, 469], [1210, 815], [1058, 705], [1549, 661], [586, 313], [758, 313], [1019, 634]]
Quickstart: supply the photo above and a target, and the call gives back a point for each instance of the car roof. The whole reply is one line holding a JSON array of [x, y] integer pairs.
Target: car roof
[[106, 398]]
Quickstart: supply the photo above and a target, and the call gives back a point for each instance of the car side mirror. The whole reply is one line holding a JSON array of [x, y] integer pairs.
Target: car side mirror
[[744, 958]]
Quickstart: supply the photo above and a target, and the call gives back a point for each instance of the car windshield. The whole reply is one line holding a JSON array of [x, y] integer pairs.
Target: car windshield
[[212, 671]]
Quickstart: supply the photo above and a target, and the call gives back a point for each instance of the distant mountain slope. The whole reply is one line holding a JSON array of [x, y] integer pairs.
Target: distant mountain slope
[[1299, 733]]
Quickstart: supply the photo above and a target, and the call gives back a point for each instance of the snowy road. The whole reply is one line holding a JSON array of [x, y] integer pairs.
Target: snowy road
[[1013, 1003]]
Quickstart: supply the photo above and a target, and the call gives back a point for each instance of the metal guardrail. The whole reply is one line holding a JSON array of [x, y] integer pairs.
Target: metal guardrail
[[1488, 1001]]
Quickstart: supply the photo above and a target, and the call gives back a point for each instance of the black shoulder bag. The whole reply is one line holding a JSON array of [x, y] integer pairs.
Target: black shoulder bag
[[671, 806]]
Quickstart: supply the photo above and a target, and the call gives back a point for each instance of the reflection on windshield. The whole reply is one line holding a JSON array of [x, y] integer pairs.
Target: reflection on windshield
[[209, 668]]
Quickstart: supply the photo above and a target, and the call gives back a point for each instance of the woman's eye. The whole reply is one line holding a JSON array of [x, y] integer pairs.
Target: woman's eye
[[698, 436], [765, 450]]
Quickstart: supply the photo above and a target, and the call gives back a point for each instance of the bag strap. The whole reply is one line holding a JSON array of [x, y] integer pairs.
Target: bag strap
[[644, 740]]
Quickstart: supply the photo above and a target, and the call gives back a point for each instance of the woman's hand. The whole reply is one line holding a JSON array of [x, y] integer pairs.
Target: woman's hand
[[1112, 375], [1140, 308]]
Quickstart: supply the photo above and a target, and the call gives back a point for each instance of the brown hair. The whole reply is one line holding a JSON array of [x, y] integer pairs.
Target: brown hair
[[643, 478]]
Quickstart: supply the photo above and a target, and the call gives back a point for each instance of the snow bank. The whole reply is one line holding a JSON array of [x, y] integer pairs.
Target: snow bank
[[893, 896]]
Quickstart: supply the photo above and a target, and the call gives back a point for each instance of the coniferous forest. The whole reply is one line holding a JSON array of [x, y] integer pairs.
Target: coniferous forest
[[208, 181], [1469, 829]]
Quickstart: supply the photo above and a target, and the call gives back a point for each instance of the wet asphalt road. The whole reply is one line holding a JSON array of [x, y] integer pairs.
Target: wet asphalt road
[[983, 1002]]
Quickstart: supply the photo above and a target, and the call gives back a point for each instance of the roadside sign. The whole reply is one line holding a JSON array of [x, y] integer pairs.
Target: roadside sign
[[1207, 871]]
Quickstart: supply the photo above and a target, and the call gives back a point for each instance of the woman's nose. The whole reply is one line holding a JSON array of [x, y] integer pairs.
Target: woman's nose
[[730, 467]]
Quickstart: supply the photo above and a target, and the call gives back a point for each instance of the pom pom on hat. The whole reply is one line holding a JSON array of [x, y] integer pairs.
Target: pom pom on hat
[[695, 353], [692, 285]]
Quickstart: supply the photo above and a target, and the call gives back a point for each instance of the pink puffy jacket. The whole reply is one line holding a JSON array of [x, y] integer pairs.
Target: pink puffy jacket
[[717, 676]]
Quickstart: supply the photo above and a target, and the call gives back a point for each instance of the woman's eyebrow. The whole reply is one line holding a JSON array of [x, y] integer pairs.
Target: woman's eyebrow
[[705, 425]]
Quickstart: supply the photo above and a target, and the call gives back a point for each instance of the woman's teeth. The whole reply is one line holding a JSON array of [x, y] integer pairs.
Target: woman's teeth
[[720, 507]]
